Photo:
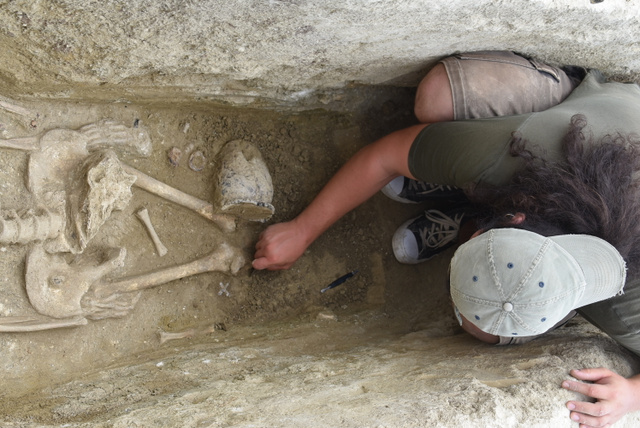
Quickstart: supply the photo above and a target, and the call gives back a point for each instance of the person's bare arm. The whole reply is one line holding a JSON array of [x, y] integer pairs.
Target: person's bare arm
[[615, 397], [369, 170]]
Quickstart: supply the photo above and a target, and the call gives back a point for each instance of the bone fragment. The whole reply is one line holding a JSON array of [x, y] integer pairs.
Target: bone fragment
[[26, 324], [16, 109], [56, 287], [197, 161], [224, 259], [143, 215], [174, 154], [109, 134], [204, 208], [25, 143], [104, 187], [166, 335]]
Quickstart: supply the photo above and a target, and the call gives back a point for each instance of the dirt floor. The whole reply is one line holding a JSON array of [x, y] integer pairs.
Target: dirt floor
[[302, 150], [266, 348]]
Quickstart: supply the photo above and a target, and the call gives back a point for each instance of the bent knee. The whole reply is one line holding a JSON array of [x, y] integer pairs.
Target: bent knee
[[434, 100]]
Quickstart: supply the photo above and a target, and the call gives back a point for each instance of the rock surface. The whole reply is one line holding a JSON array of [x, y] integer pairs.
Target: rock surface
[[288, 52]]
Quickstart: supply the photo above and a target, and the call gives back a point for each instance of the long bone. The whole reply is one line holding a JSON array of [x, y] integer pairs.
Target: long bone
[[143, 215], [158, 188], [223, 259], [59, 289], [26, 324]]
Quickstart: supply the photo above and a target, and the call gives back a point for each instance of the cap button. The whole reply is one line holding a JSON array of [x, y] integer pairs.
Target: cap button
[[507, 307]]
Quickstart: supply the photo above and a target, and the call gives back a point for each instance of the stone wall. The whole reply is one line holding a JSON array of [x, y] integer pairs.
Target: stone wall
[[288, 52]]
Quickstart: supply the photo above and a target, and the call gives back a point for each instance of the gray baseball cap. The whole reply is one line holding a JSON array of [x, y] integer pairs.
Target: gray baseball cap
[[512, 282]]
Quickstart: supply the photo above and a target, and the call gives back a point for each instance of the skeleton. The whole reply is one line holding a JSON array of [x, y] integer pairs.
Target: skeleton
[[79, 181], [65, 172], [61, 158], [63, 162], [69, 293]]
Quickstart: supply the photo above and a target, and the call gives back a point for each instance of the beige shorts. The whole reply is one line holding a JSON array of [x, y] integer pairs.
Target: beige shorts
[[502, 83]]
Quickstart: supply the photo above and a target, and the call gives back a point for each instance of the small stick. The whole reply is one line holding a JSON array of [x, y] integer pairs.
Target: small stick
[[143, 215]]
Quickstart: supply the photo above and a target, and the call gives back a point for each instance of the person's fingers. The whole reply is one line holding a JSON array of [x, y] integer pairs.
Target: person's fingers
[[597, 409], [589, 389], [592, 375], [259, 244], [587, 421], [260, 263], [264, 263]]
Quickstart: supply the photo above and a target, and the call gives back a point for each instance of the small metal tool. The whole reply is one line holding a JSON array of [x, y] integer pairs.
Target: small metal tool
[[339, 281]]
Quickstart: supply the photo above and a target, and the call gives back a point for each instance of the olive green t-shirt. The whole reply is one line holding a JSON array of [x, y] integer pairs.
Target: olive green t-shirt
[[477, 150]]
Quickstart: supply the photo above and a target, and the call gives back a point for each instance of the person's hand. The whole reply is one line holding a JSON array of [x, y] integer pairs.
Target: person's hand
[[279, 246], [615, 396]]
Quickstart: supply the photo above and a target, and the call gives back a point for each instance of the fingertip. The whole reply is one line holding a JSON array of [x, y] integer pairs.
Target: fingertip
[[257, 264]]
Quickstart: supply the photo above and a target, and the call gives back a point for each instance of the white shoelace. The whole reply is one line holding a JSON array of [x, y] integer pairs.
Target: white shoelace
[[421, 187], [443, 230]]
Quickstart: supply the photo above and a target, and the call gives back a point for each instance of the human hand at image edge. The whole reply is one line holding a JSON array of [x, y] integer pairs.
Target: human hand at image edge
[[615, 396], [279, 246]]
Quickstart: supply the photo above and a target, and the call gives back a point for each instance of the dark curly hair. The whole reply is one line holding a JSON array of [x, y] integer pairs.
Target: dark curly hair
[[594, 191]]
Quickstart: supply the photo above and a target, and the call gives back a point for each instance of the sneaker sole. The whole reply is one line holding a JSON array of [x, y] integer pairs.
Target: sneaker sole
[[392, 195], [397, 242]]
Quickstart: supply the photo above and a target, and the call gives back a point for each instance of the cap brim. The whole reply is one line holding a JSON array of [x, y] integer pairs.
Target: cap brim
[[603, 267]]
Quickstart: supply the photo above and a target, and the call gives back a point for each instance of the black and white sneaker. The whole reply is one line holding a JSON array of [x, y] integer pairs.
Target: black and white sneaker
[[426, 236], [408, 191]]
